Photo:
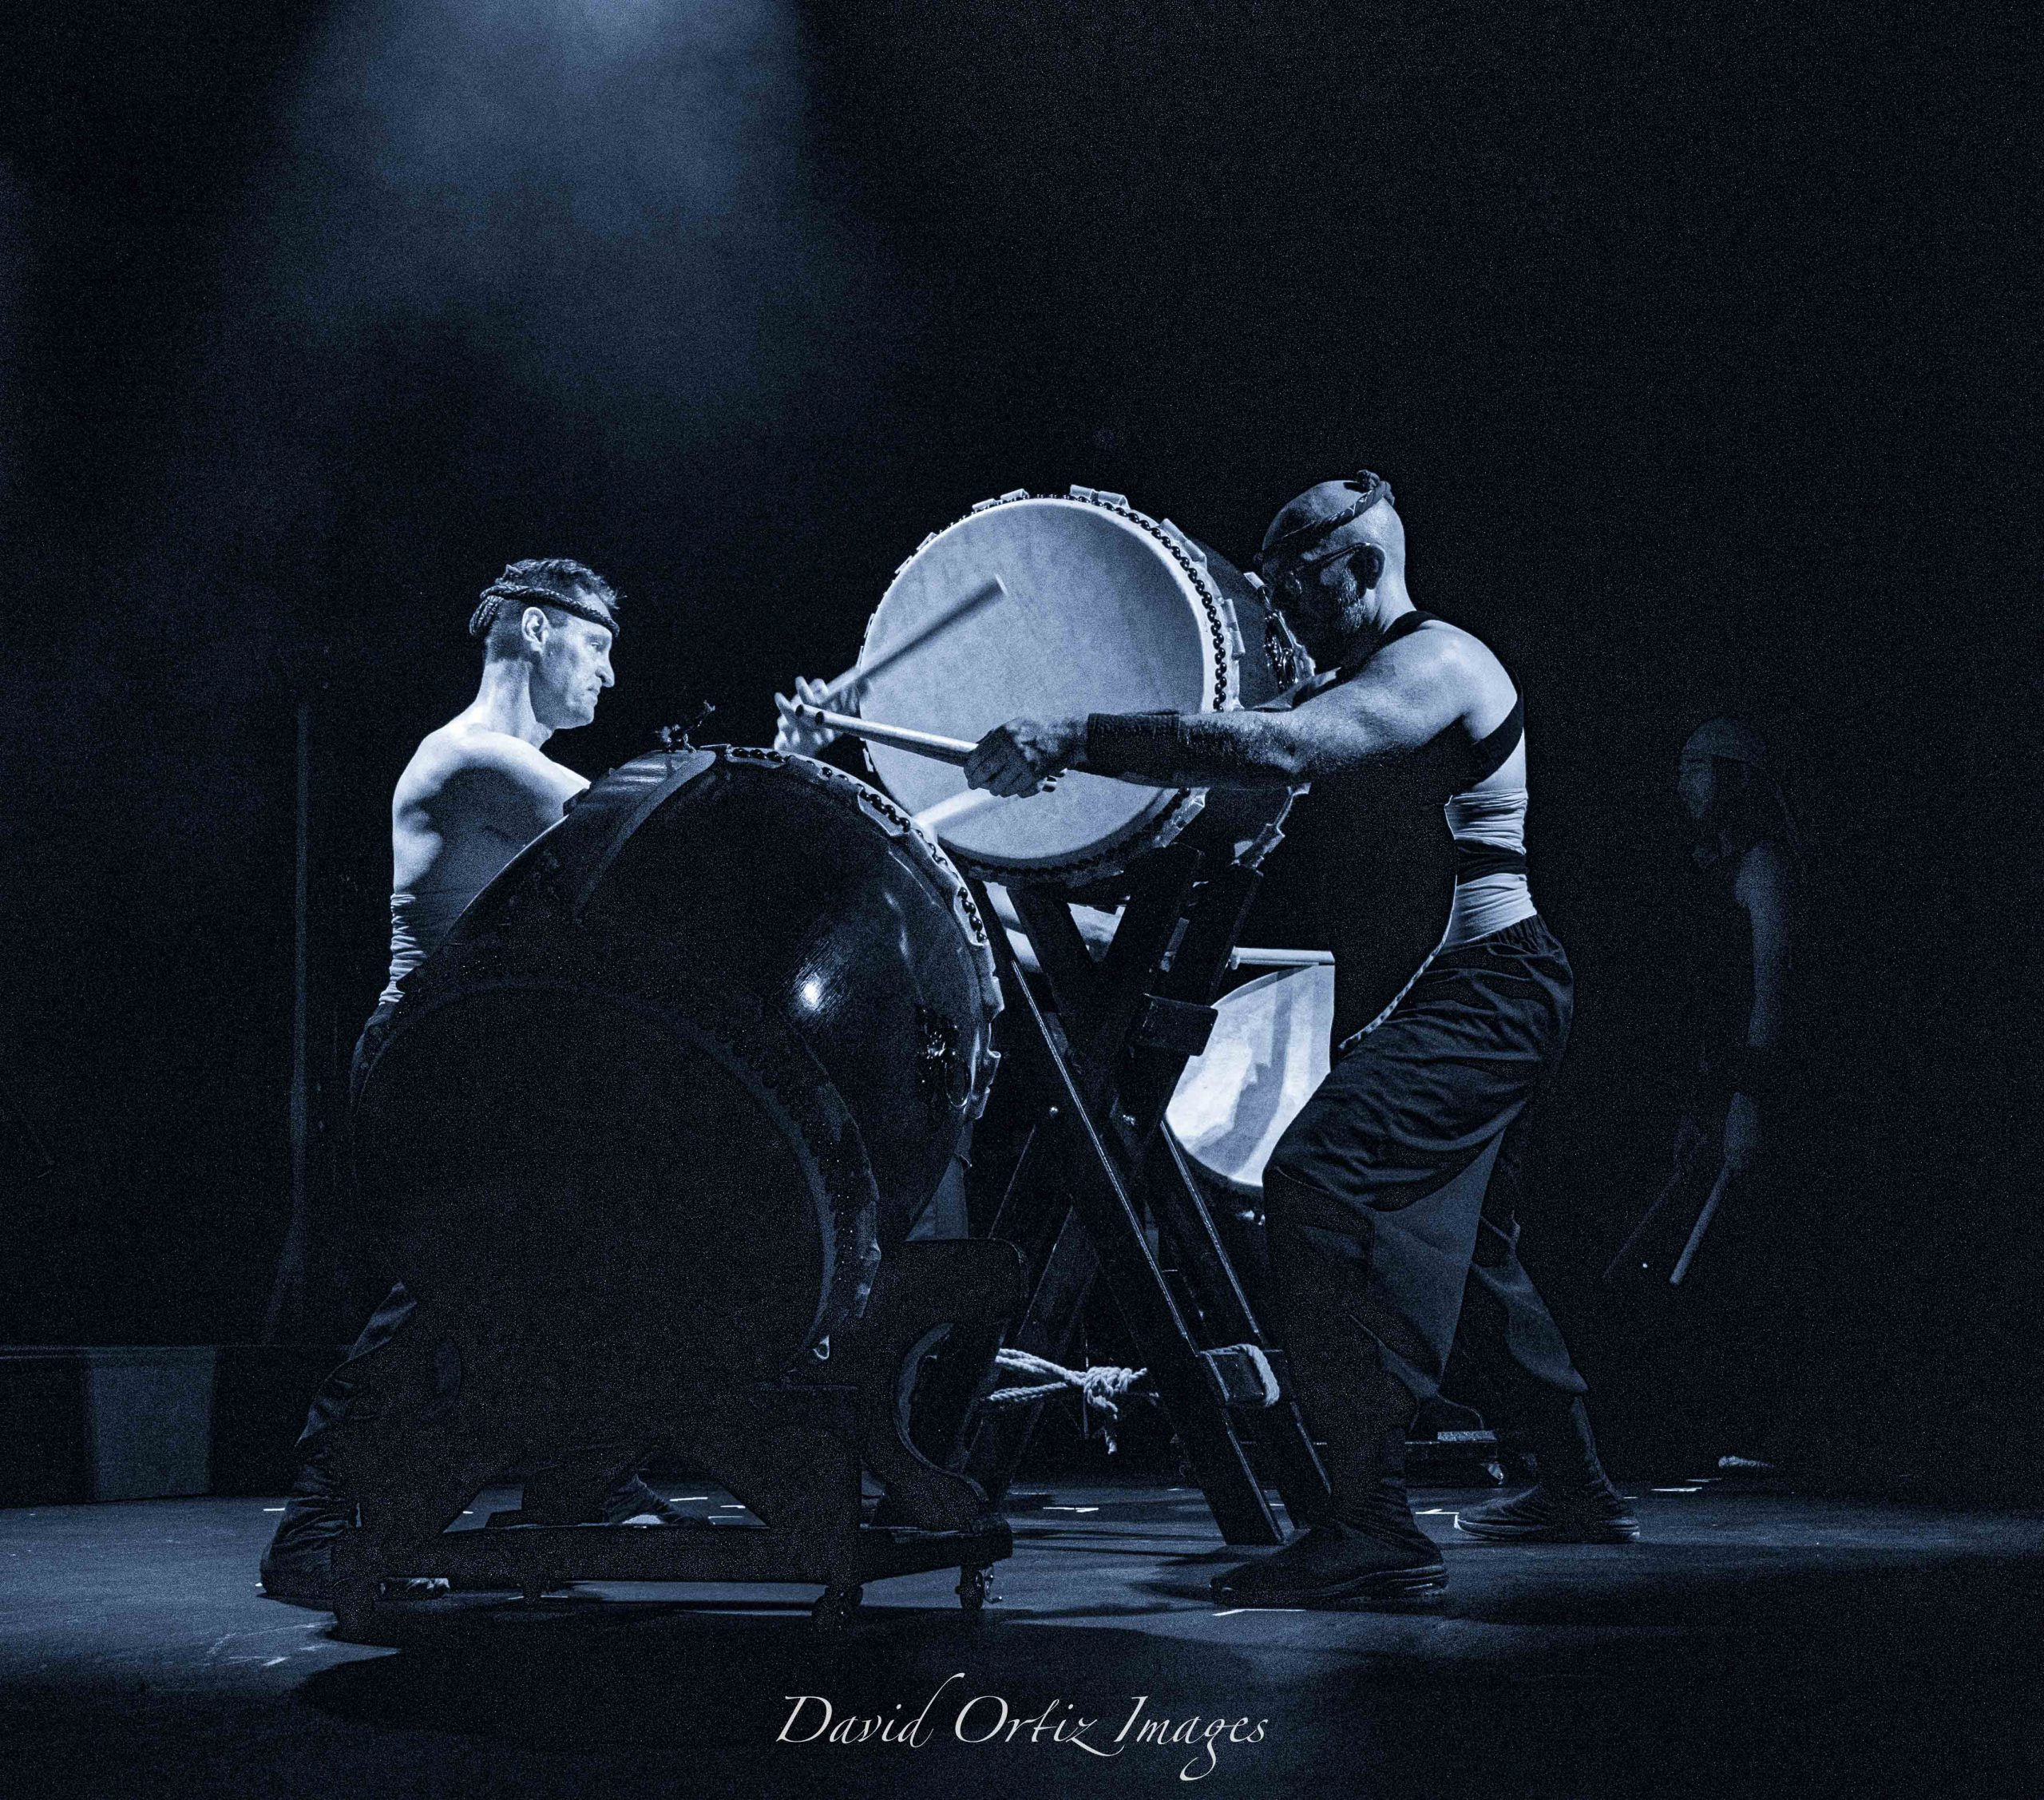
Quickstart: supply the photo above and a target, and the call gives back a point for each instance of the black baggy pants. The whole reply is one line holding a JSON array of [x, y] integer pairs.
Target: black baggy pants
[[1392, 1203], [319, 1510]]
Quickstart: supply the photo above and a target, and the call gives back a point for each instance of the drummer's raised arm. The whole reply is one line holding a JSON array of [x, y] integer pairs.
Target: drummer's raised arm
[[1383, 716]]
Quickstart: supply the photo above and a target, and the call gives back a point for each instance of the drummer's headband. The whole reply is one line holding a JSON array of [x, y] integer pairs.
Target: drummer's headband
[[1373, 488], [582, 605]]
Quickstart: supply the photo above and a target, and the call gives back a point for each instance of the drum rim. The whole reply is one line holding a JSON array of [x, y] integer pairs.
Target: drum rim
[[1160, 823], [1176, 546], [929, 857], [932, 860]]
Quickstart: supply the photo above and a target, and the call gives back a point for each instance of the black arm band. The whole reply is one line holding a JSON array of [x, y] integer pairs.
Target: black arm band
[[1138, 743], [1758, 1073]]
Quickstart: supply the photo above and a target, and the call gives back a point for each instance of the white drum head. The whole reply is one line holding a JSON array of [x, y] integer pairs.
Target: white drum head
[[1102, 614], [1268, 1053]]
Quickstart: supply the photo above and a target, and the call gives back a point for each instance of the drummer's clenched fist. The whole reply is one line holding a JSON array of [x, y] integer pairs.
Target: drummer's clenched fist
[[798, 736], [1022, 756]]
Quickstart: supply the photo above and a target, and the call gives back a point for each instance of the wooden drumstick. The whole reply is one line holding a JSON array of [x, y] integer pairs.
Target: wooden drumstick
[[966, 803], [1246, 958], [953, 751], [1672, 1186], [1702, 1224], [853, 680]]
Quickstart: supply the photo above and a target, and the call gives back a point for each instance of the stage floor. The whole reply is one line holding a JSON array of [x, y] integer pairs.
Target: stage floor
[[1754, 1643]]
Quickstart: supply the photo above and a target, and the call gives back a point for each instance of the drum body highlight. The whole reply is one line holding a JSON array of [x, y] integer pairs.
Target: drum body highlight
[[685, 1067]]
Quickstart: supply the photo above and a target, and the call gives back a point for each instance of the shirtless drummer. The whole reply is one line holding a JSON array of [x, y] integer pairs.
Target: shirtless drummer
[[480, 788], [1392, 1198], [474, 794]]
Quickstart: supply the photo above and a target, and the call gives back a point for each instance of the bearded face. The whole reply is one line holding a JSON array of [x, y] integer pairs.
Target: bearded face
[[1322, 598]]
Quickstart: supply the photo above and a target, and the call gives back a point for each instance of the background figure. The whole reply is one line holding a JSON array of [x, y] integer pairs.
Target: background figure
[[1743, 1292]]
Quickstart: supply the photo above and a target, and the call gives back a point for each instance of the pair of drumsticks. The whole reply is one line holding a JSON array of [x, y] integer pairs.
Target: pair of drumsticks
[[953, 751], [848, 685]]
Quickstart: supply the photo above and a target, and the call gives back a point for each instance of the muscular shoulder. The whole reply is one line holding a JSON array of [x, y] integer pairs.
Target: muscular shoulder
[[1452, 671], [464, 762], [465, 745], [1456, 656]]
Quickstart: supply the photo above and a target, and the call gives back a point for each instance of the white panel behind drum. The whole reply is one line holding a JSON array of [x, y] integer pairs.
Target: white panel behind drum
[[1098, 618], [1267, 1053]]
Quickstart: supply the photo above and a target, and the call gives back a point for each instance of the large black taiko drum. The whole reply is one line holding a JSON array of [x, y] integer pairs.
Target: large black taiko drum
[[681, 1070]]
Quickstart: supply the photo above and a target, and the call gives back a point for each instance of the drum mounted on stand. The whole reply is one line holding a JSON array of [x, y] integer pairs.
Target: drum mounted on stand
[[1103, 609], [644, 1140], [688, 1062]]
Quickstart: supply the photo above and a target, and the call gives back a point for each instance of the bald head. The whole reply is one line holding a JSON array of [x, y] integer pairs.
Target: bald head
[[1334, 516], [1334, 563]]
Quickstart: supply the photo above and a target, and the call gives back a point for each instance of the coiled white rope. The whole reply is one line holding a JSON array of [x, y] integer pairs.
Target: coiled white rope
[[1101, 1388]]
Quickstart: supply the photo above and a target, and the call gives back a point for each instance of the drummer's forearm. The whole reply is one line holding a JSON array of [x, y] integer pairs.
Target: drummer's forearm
[[1199, 749]]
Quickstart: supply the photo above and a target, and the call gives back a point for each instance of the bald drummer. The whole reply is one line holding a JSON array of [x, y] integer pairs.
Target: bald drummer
[[475, 792], [1391, 1198]]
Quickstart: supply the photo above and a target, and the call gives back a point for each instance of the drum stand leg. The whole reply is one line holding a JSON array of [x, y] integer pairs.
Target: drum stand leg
[[790, 1450], [1100, 1061]]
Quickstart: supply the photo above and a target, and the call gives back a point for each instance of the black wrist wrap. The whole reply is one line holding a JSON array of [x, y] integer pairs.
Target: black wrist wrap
[[1139, 743]]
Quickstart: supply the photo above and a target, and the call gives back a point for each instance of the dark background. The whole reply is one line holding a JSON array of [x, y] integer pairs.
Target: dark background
[[1690, 336]]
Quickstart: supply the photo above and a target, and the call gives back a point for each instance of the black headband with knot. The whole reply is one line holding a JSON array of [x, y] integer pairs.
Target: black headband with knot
[[1372, 487], [494, 597]]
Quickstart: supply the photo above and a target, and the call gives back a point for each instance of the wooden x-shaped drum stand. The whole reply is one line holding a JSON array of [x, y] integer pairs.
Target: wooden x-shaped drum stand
[[1093, 1054]]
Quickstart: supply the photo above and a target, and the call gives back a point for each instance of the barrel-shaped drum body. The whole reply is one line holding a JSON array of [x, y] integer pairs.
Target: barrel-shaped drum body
[[1102, 609], [689, 1060]]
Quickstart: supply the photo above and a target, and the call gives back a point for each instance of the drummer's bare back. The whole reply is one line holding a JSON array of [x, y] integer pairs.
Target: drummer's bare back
[[469, 800]]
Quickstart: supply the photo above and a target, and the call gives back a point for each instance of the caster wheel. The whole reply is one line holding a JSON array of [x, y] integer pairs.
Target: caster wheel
[[354, 1614], [974, 1585], [832, 1611]]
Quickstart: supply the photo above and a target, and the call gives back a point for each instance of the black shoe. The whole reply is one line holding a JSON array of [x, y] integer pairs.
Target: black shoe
[[297, 1567], [314, 1588], [1539, 1516], [297, 1564], [1336, 1566]]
